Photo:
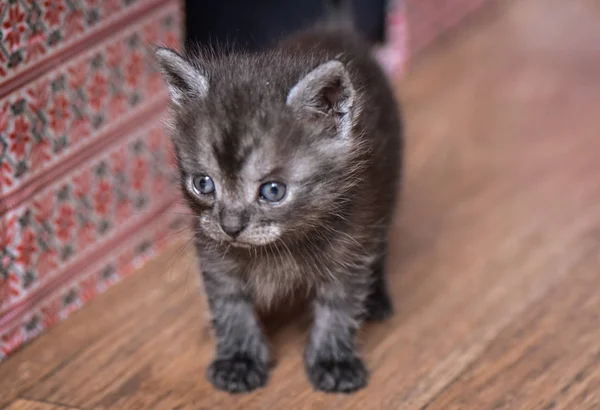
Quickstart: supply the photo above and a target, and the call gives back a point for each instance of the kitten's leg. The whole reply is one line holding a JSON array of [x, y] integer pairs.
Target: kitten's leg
[[331, 361], [379, 306], [242, 356]]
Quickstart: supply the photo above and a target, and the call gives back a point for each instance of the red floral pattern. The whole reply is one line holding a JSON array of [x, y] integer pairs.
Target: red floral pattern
[[12, 340], [78, 211], [86, 234], [110, 7], [7, 231], [135, 69], [19, 137], [85, 287], [80, 129], [40, 153], [4, 117], [54, 11], [140, 171], [154, 84], [114, 54], [47, 263], [103, 197], [49, 119], [14, 290], [118, 161], [118, 105], [4, 290], [59, 114], [74, 24], [78, 73], [150, 33], [6, 180], [37, 96], [28, 25], [14, 27], [125, 262], [171, 40], [43, 208], [123, 210], [26, 248], [70, 228], [65, 222], [36, 45], [97, 91], [89, 288], [51, 313], [82, 184]]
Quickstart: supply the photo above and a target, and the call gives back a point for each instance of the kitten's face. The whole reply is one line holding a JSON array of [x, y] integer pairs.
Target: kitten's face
[[271, 177], [258, 165]]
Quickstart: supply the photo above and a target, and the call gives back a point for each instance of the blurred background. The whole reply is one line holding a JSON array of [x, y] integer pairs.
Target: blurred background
[[494, 258]]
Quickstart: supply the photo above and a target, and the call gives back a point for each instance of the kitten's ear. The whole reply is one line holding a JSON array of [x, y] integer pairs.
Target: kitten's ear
[[325, 90], [183, 79]]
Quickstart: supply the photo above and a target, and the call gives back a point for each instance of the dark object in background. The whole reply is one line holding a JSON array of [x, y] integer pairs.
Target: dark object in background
[[255, 24]]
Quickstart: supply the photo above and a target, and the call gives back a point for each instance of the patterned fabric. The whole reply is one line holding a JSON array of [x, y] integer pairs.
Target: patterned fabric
[[34, 30], [71, 107], [67, 219], [79, 289], [86, 189]]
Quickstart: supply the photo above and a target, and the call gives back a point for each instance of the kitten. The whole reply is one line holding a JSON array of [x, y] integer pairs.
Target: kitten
[[290, 161]]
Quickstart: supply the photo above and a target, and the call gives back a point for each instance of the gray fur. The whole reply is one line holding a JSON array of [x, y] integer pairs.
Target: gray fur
[[182, 78], [317, 114]]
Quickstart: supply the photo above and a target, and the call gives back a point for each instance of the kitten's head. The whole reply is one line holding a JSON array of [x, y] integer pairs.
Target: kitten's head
[[266, 146]]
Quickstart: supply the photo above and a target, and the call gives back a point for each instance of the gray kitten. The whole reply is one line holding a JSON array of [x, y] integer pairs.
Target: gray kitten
[[290, 159]]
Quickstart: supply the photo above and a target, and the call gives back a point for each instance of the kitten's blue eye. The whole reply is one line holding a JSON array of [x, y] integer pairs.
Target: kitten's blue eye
[[203, 184], [272, 191]]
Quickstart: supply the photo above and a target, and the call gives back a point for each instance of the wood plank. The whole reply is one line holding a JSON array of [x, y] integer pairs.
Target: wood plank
[[548, 358], [500, 209], [36, 405], [56, 348]]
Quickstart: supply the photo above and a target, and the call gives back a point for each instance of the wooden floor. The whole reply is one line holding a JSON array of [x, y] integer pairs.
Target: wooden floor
[[495, 264]]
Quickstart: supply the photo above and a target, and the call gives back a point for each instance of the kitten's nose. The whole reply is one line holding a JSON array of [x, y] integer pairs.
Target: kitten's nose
[[233, 222]]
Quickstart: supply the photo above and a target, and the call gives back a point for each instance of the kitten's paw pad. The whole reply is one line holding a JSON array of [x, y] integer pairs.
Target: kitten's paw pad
[[237, 375], [345, 376]]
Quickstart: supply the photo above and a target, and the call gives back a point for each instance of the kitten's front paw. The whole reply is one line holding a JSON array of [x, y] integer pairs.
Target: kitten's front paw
[[344, 376], [239, 374]]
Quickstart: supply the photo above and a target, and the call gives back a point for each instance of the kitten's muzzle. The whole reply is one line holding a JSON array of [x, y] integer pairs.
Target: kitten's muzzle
[[233, 222]]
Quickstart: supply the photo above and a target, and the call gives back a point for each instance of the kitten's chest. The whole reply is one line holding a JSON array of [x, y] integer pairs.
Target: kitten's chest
[[277, 278]]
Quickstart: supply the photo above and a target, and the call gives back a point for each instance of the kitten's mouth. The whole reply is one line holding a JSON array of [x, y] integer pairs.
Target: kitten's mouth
[[239, 244]]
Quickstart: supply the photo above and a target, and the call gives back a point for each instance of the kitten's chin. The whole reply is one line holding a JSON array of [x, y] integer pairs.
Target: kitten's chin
[[253, 243], [252, 238], [258, 237]]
